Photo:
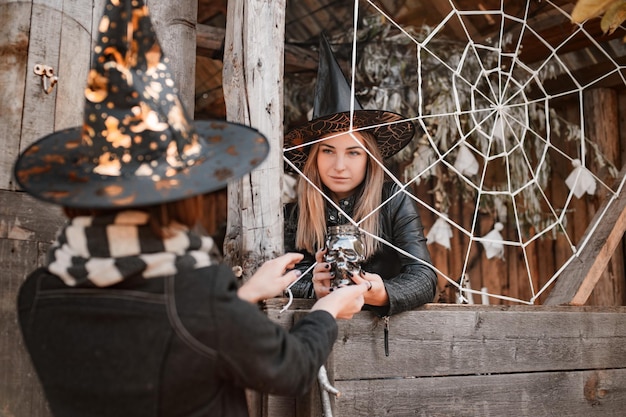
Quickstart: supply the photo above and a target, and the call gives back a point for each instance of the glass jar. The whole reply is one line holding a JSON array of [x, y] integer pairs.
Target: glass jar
[[345, 252]]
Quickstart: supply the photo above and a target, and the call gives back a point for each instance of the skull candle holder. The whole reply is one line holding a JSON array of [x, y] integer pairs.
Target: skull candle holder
[[345, 252]]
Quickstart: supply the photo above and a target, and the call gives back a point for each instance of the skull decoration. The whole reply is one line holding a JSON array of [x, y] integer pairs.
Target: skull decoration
[[345, 253]]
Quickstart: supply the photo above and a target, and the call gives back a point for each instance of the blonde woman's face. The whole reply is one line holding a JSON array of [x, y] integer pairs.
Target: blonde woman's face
[[342, 164]]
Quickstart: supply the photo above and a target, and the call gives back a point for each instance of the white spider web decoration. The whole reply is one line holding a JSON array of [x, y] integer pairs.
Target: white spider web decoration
[[505, 120]]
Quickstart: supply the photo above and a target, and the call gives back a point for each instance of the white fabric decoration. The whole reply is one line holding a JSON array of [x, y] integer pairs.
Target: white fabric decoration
[[289, 189], [498, 129], [423, 157], [580, 180], [440, 232], [492, 244], [501, 208], [466, 162], [484, 296]]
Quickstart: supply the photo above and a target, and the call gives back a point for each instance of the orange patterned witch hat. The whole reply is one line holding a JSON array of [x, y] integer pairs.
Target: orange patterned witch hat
[[331, 114], [136, 146]]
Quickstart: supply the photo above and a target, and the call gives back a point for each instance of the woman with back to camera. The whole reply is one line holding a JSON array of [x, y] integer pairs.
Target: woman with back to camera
[[133, 314], [343, 164]]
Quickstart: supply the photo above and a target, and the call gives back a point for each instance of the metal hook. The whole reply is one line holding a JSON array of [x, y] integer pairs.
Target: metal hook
[[48, 79]]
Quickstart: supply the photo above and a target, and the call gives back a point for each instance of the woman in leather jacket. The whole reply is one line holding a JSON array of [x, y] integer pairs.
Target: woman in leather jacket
[[338, 156], [399, 279]]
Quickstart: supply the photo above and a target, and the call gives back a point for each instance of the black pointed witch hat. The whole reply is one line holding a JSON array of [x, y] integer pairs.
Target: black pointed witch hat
[[331, 114], [136, 146]]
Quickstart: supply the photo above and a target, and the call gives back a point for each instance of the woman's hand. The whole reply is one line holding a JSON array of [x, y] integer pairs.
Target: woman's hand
[[376, 295], [271, 278], [321, 275], [343, 302]]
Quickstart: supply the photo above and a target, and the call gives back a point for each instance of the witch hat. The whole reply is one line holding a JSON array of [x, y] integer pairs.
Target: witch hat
[[136, 146], [331, 114]]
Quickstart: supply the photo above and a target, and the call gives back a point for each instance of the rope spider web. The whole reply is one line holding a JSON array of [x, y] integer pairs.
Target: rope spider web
[[497, 126]]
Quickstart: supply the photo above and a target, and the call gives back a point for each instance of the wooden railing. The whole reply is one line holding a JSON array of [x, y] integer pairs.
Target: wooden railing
[[461, 360]]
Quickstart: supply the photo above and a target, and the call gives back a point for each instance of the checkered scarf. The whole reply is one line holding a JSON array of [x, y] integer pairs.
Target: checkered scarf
[[105, 250]]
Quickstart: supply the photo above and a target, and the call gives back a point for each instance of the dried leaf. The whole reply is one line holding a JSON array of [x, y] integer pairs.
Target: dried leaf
[[613, 17], [588, 9]]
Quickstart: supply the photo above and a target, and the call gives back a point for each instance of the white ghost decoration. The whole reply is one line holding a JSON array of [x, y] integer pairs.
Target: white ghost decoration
[[580, 180], [423, 157], [440, 232], [289, 189], [465, 162], [493, 242]]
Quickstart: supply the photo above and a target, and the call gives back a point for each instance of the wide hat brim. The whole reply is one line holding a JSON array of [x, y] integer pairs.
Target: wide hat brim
[[391, 130], [54, 169]]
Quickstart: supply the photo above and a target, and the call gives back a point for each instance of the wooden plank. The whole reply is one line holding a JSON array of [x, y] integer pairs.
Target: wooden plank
[[577, 280], [476, 360], [25, 218], [14, 53], [427, 343], [45, 38], [578, 393], [175, 25], [442, 339], [20, 390], [74, 52], [253, 91]]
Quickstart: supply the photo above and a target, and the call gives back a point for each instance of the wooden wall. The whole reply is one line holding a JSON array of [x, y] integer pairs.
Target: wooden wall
[[30, 34], [58, 34], [453, 360]]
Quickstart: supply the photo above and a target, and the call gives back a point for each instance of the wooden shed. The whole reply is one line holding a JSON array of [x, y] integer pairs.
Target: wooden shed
[[560, 351]]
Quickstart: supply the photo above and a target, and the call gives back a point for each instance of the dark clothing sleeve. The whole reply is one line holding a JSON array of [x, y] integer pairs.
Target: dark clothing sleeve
[[254, 352], [415, 283]]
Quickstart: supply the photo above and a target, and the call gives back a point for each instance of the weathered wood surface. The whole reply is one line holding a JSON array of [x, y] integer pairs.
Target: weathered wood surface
[[175, 25], [253, 88], [210, 41], [457, 360], [577, 393], [20, 391], [27, 227], [13, 53], [578, 279], [25, 218]]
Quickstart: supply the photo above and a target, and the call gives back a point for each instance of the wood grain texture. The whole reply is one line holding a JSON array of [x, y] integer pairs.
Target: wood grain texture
[[469, 360], [253, 89], [579, 278], [13, 55], [20, 390], [577, 393]]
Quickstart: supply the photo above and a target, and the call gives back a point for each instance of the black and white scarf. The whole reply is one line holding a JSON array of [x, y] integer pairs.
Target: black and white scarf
[[104, 251]]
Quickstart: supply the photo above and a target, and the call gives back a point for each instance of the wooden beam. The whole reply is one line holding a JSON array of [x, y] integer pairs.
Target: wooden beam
[[578, 279], [210, 43]]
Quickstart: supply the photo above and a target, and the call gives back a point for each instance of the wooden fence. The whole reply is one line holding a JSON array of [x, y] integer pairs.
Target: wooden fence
[[462, 360]]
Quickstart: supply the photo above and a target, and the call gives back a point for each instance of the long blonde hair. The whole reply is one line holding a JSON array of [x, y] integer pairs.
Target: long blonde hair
[[311, 231]]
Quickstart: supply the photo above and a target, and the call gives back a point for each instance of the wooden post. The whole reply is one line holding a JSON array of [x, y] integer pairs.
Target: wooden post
[[175, 25], [253, 90]]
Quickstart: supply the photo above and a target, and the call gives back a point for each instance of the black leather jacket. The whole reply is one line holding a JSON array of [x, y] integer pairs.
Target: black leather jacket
[[409, 282]]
